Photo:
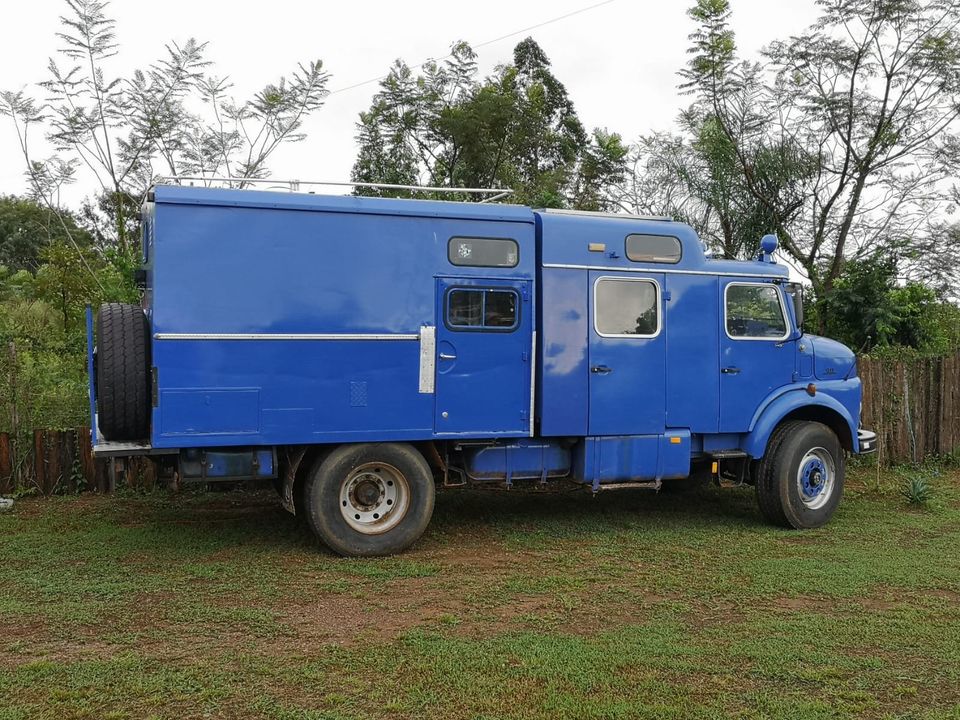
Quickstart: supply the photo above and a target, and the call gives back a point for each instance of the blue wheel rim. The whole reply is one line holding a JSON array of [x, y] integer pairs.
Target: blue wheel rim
[[816, 478]]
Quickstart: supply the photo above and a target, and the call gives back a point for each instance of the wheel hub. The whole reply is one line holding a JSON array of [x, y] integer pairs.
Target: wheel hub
[[815, 478], [374, 498], [367, 492]]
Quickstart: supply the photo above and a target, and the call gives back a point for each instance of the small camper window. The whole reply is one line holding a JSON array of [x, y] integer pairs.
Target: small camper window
[[626, 307], [483, 252], [654, 248], [479, 309]]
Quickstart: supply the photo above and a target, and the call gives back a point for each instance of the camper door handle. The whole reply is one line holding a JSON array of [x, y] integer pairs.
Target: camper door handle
[[447, 356], [730, 370], [601, 369]]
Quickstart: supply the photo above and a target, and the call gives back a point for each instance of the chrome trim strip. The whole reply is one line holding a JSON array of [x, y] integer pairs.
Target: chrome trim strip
[[428, 357], [607, 268], [286, 336], [533, 377], [615, 216]]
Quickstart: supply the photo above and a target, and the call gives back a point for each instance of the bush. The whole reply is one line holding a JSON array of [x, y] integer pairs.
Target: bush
[[916, 489]]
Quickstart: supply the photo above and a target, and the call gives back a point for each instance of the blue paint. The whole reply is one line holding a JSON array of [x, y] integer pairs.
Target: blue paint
[[285, 319], [750, 369], [232, 463], [483, 373], [523, 459], [814, 477]]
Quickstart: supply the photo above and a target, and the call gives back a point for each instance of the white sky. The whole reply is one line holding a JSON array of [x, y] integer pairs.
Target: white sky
[[618, 61]]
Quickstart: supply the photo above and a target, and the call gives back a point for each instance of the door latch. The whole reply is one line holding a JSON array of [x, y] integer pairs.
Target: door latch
[[601, 370], [730, 370]]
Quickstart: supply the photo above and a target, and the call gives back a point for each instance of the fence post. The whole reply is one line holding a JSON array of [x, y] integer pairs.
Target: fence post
[[6, 465], [39, 462], [54, 447], [86, 458]]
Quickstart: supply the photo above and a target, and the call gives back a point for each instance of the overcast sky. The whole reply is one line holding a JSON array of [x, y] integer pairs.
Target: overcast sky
[[618, 61]]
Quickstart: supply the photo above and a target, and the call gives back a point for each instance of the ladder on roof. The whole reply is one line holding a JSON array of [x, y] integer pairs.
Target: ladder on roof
[[295, 185]]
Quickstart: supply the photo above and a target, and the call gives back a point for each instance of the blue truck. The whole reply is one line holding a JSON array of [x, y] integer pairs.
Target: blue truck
[[362, 351]]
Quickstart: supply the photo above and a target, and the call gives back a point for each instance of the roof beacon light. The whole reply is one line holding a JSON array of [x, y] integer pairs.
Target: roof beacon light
[[768, 244]]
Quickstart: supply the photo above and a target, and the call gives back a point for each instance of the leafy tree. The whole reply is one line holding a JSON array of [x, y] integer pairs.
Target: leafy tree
[[27, 227], [841, 143], [868, 308], [516, 129], [124, 131]]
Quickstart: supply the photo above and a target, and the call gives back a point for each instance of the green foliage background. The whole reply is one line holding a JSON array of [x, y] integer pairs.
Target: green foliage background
[[44, 288]]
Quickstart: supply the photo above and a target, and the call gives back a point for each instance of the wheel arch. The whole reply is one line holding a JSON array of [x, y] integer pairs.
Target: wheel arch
[[799, 405]]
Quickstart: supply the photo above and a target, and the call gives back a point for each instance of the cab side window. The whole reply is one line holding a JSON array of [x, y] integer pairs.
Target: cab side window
[[755, 312]]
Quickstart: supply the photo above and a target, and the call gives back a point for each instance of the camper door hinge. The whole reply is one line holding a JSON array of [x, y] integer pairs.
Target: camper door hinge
[[525, 356], [666, 294], [525, 291]]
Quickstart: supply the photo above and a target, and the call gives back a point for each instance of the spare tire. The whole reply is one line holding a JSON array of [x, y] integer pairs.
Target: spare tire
[[122, 373]]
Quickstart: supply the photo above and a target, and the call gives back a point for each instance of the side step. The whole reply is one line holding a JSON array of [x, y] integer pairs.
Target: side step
[[654, 485]]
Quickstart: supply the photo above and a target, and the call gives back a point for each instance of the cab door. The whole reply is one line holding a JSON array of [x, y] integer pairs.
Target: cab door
[[757, 353], [484, 356], [627, 354]]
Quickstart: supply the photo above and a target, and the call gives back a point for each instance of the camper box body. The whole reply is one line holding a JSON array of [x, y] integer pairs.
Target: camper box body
[[505, 343]]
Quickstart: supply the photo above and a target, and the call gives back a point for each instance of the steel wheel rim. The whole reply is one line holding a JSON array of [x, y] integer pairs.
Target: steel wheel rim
[[816, 478], [374, 498]]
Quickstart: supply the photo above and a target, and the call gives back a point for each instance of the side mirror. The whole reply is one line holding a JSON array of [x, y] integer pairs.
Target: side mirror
[[795, 291]]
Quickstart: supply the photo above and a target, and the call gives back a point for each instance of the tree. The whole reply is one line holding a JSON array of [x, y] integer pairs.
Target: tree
[[27, 227], [516, 129], [123, 131], [841, 145], [870, 307], [695, 178]]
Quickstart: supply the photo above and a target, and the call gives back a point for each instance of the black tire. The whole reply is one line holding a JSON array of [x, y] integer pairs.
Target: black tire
[[375, 469], [123, 372], [800, 478]]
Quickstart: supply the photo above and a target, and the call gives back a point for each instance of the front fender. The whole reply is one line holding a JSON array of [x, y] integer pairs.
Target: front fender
[[791, 399]]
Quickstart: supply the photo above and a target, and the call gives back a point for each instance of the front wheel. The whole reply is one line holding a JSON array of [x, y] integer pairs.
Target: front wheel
[[800, 478], [370, 499]]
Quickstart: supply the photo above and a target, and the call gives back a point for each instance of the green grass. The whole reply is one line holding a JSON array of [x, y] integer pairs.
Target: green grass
[[629, 605]]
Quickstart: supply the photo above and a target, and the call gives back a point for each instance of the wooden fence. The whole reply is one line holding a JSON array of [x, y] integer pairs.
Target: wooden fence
[[912, 405], [61, 461]]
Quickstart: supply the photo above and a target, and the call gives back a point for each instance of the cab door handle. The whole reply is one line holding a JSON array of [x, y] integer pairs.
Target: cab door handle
[[601, 370], [447, 356], [730, 370]]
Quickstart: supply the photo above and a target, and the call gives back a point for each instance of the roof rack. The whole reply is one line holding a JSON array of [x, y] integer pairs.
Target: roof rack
[[294, 185], [618, 216]]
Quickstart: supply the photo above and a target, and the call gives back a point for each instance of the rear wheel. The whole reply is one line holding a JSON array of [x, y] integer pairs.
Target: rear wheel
[[122, 374], [371, 499], [800, 478]]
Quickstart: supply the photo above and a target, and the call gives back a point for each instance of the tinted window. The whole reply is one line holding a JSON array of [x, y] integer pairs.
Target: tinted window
[[483, 252], [755, 311], [465, 308], [653, 248], [626, 307], [481, 309]]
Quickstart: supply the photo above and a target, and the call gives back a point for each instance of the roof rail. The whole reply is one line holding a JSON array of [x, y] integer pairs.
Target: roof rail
[[294, 185], [618, 216]]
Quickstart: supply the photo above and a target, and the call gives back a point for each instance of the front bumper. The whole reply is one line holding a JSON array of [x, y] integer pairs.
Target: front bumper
[[867, 441]]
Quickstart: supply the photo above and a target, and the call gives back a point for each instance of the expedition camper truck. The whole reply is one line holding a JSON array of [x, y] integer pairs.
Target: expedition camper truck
[[359, 351]]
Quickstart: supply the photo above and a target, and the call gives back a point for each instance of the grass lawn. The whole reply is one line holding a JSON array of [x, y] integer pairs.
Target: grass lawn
[[628, 605]]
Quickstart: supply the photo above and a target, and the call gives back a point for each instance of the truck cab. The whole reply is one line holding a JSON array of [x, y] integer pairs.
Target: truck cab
[[361, 352]]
